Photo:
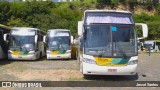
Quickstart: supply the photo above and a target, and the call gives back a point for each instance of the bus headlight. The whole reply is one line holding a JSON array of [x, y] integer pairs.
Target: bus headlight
[[89, 61], [132, 62], [48, 52], [68, 51], [31, 53], [9, 52]]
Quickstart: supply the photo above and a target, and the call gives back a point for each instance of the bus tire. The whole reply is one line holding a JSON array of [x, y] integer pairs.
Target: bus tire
[[81, 67], [40, 56], [78, 58], [85, 76], [76, 55]]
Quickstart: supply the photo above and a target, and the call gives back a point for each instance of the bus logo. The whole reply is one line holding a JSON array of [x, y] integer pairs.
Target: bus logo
[[103, 59]]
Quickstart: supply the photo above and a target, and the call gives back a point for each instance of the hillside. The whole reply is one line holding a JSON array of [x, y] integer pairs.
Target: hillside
[[47, 15]]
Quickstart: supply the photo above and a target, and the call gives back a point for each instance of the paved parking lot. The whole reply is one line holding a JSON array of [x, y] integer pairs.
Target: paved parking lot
[[68, 70]]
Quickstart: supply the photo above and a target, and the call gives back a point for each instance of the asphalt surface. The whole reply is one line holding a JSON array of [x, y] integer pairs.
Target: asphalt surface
[[148, 70]]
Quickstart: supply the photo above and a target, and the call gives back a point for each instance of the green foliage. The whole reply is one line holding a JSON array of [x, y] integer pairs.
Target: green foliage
[[4, 12], [149, 5], [114, 2], [153, 23], [143, 18], [67, 18], [139, 31], [104, 1], [18, 10], [17, 22], [49, 15], [131, 3], [154, 30], [158, 9]]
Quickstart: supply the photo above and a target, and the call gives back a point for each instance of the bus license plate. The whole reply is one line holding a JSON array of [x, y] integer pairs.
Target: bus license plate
[[19, 56], [58, 56], [112, 70]]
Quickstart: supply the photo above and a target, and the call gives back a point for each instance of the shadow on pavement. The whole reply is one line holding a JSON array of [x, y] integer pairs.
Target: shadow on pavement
[[61, 59], [112, 77], [5, 61]]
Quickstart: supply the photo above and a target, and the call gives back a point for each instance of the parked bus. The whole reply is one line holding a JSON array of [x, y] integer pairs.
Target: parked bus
[[26, 43], [108, 43], [153, 44], [59, 44], [3, 45]]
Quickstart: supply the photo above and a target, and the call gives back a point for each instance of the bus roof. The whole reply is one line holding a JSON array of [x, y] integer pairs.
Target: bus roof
[[152, 41], [108, 16], [29, 28], [119, 11], [58, 30], [24, 28]]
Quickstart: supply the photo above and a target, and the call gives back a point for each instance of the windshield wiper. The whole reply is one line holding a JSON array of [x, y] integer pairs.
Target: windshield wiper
[[102, 52], [52, 49], [60, 45], [121, 49], [15, 48], [25, 49]]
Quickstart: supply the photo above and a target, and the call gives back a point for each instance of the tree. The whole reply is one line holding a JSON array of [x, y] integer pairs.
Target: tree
[[4, 12], [17, 22]]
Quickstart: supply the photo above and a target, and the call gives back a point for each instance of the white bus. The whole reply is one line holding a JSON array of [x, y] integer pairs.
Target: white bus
[[108, 43], [3, 44], [153, 44], [26, 43], [59, 44]]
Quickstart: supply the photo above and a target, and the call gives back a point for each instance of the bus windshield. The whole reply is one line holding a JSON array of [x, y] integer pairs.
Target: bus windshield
[[110, 40], [24, 43], [58, 43]]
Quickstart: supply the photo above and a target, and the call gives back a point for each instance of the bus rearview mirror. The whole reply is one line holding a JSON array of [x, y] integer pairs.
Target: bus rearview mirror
[[44, 39], [36, 39], [5, 37], [144, 30], [80, 26], [72, 39]]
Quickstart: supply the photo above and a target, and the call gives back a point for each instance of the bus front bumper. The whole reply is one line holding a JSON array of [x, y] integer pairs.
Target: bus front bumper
[[59, 56], [21, 57], [93, 69]]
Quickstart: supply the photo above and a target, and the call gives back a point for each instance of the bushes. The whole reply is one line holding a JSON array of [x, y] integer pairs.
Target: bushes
[[158, 9], [43, 15], [153, 23], [143, 18], [4, 12], [154, 30], [49, 15]]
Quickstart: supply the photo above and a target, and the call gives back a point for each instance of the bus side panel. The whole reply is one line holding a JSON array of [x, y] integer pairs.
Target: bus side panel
[[2, 55]]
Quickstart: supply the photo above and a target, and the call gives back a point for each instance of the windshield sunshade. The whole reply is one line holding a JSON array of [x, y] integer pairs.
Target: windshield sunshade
[[24, 32], [58, 43], [108, 18]]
